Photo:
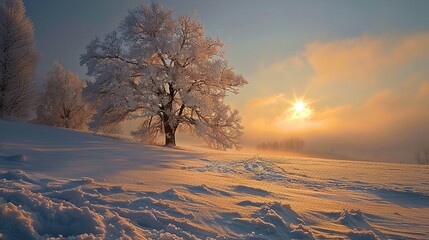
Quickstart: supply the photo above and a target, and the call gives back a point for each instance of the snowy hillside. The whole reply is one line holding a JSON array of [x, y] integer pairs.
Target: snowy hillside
[[62, 184]]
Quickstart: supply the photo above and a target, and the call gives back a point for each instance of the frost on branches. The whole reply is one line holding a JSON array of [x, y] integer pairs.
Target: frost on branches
[[62, 104], [167, 73], [18, 61]]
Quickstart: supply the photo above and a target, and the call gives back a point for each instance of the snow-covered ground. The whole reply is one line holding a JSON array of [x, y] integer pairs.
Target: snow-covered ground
[[63, 184]]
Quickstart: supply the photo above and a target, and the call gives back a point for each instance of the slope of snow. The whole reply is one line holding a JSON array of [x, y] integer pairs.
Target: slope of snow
[[62, 184]]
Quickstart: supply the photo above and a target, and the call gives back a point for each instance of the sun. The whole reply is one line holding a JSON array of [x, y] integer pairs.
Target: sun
[[299, 106], [300, 109]]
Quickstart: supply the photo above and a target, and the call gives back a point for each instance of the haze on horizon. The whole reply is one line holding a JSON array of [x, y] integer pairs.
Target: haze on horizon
[[361, 69]]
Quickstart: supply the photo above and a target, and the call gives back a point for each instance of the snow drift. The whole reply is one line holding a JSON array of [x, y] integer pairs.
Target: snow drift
[[62, 184]]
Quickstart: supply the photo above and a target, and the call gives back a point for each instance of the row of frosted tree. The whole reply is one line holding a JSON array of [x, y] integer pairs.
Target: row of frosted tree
[[60, 102], [294, 144], [161, 70]]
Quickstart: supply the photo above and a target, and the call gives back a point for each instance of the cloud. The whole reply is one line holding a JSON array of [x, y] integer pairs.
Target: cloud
[[365, 59], [346, 60], [263, 102], [424, 90], [260, 112]]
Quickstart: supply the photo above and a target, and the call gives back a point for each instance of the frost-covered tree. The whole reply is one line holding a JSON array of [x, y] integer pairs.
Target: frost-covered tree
[[61, 103], [18, 61], [167, 72]]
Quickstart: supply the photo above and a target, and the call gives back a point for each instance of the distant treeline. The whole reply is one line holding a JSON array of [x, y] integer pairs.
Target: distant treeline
[[287, 144], [422, 156]]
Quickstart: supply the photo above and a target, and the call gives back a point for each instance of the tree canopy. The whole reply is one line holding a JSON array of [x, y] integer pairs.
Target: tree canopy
[[18, 61], [62, 103], [167, 73]]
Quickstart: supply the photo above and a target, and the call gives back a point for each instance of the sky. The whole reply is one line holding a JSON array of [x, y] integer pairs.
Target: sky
[[360, 68]]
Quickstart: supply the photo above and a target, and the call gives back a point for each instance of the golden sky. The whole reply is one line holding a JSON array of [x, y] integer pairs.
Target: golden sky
[[369, 93]]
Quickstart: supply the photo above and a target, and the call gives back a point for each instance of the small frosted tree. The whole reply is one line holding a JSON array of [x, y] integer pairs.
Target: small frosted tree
[[18, 61], [169, 74], [61, 103]]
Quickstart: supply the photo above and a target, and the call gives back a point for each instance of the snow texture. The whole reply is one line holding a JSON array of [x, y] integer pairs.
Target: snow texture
[[64, 184]]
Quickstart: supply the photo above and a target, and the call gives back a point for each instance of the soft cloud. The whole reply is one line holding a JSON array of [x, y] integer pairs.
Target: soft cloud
[[263, 102], [366, 59], [423, 91], [346, 60]]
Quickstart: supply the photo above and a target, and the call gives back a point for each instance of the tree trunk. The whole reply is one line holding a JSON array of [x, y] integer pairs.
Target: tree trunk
[[170, 135]]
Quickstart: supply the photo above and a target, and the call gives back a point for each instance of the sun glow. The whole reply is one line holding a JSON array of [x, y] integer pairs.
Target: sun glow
[[299, 106], [298, 116], [300, 109]]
